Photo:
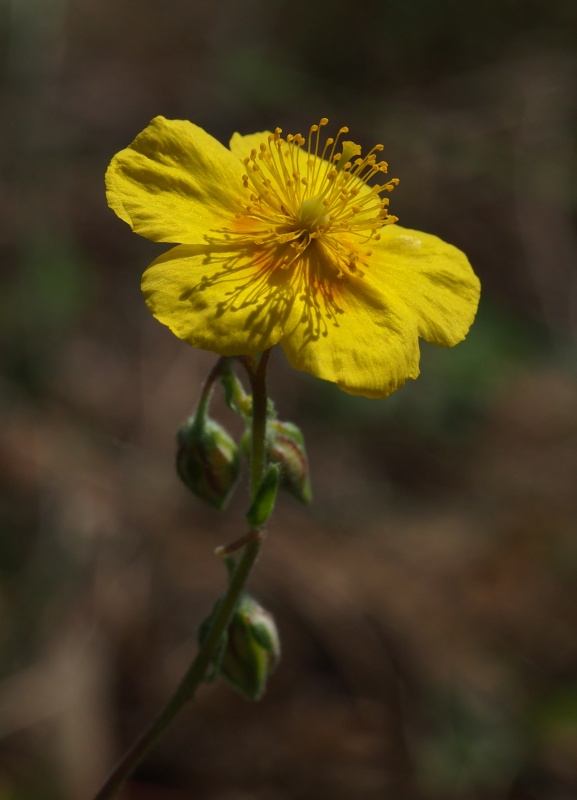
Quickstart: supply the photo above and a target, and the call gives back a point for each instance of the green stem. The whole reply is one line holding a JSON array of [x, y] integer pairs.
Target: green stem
[[187, 688], [204, 400], [257, 377]]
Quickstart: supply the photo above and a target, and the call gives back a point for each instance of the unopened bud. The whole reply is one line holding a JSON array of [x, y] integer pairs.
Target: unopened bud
[[207, 460], [252, 649], [286, 447]]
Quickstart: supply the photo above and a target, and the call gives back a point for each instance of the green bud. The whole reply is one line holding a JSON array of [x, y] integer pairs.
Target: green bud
[[207, 460], [286, 447], [262, 506], [252, 649]]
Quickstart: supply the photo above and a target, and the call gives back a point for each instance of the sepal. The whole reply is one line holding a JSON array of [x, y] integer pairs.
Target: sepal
[[285, 446], [207, 460], [252, 650]]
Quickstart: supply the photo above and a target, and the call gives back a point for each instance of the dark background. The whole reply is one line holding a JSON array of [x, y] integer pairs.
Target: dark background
[[427, 600]]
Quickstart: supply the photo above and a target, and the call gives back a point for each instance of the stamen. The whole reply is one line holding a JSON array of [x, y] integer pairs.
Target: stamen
[[303, 191]]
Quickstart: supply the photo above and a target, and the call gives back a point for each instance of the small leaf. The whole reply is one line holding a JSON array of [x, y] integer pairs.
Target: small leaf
[[263, 503], [236, 398]]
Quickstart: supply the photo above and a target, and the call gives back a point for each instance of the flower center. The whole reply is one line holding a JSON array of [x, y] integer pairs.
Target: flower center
[[301, 191], [312, 214]]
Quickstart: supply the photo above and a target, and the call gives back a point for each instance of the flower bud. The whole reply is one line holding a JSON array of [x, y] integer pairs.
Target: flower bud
[[207, 460], [286, 447], [252, 649]]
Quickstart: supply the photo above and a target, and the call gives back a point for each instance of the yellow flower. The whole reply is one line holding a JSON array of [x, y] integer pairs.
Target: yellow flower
[[283, 240]]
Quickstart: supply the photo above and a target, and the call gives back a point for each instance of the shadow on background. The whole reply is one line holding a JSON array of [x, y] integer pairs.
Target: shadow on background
[[427, 600]]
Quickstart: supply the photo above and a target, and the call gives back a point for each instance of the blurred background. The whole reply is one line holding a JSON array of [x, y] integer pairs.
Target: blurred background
[[427, 600]]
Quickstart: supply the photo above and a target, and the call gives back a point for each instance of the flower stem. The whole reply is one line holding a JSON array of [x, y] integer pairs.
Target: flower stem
[[187, 688], [216, 372], [257, 376]]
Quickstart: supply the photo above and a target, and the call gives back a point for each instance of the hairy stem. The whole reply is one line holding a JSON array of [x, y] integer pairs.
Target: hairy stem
[[257, 377], [187, 688], [204, 401]]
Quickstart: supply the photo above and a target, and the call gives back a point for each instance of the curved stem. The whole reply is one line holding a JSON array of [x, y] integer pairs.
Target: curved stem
[[191, 681], [204, 400], [187, 688]]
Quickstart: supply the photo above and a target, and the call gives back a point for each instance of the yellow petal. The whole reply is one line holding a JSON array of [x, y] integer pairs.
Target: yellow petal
[[344, 331], [174, 183], [433, 279], [241, 145], [230, 301]]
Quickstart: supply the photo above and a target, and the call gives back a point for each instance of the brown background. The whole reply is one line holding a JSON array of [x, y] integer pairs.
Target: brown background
[[427, 601]]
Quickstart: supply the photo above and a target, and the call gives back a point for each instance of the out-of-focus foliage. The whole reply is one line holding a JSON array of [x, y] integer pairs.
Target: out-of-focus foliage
[[427, 599]]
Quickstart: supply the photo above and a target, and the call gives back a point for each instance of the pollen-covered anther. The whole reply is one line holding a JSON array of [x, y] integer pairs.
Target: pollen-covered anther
[[316, 196]]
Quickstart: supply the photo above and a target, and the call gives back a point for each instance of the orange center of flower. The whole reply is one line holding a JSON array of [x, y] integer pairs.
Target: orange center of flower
[[301, 194]]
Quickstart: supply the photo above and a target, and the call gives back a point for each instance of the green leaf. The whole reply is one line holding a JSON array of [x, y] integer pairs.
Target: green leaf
[[263, 503]]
